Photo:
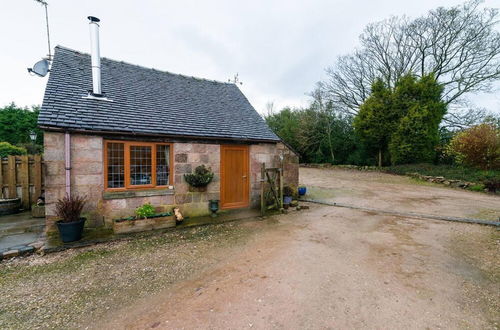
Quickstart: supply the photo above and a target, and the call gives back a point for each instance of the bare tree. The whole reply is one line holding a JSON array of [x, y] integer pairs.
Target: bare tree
[[325, 111], [460, 45]]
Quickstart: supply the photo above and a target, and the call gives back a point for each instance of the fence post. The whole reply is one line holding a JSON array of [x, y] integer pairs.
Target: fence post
[[262, 182], [12, 177], [37, 175], [280, 173], [24, 177], [1, 177]]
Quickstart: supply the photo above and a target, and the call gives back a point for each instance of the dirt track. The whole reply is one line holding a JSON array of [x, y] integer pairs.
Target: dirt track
[[339, 268], [398, 193]]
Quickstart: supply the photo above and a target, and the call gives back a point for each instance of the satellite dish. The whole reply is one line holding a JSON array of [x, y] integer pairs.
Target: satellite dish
[[40, 68]]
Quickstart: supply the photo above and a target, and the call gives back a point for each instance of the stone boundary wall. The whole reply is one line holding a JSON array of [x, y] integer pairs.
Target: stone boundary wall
[[434, 179], [442, 180]]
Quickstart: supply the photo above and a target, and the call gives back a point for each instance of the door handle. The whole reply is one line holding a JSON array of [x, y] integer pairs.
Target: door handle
[[244, 176]]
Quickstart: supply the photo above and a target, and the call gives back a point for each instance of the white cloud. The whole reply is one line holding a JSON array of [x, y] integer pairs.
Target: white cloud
[[279, 48]]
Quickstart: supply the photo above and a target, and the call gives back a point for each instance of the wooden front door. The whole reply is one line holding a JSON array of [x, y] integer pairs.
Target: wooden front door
[[234, 190]]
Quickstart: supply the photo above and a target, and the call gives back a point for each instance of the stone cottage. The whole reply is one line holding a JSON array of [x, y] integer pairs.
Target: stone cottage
[[124, 135]]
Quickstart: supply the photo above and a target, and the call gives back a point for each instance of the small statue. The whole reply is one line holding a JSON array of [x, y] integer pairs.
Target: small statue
[[178, 215]]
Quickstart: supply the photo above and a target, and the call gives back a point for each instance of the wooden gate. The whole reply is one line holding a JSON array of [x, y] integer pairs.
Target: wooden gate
[[271, 188], [22, 177]]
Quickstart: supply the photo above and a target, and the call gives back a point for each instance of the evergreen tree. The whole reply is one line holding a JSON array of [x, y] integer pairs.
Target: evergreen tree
[[16, 124], [417, 133], [377, 119]]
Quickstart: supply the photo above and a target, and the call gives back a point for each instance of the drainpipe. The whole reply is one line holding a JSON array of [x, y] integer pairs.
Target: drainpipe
[[67, 162]]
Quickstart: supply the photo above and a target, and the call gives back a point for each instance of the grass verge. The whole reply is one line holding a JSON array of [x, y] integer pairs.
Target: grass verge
[[448, 171]]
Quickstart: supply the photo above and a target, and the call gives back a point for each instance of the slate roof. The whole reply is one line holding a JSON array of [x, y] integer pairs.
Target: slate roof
[[145, 101]]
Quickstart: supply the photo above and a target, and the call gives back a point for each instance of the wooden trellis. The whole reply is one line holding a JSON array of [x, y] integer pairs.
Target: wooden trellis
[[271, 188]]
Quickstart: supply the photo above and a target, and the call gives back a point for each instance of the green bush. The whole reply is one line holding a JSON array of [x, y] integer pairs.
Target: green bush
[[17, 122], [201, 177], [493, 185], [7, 149], [478, 146], [145, 211], [477, 187]]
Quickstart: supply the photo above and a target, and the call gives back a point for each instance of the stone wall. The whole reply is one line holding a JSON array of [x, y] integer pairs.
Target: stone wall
[[86, 174], [290, 165], [87, 178], [187, 156], [269, 154]]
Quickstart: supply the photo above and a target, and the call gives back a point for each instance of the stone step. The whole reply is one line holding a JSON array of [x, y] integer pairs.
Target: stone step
[[12, 242], [20, 223], [35, 228]]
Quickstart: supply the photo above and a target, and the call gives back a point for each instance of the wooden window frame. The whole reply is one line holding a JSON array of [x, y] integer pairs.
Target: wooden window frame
[[126, 159]]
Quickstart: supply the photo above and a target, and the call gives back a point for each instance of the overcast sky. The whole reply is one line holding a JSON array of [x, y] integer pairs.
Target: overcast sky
[[279, 48]]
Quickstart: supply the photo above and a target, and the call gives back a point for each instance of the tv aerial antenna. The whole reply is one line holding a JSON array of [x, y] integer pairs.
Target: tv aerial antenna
[[41, 68], [236, 80]]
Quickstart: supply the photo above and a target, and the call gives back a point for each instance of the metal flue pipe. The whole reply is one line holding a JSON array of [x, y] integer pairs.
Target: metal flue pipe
[[95, 55]]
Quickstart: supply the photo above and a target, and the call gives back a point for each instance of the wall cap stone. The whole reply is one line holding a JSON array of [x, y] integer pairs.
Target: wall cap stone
[[107, 195]]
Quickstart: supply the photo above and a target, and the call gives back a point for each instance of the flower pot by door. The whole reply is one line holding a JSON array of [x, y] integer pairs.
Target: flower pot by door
[[71, 231]]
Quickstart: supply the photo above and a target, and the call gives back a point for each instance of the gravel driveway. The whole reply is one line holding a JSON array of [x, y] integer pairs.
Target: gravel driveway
[[340, 268], [326, 267]]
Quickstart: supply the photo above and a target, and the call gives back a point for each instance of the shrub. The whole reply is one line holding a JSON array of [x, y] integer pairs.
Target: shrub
[[31, 149], [69, 208], [145, 211], [477, 187], [7, 149], [478, 146], [201, 177], [493, 185]]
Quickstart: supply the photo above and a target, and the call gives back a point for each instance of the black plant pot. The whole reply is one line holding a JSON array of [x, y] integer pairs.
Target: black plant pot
[[71, 231]]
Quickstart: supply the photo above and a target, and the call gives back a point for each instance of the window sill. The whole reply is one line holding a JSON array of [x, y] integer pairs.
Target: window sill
[[137, 193]]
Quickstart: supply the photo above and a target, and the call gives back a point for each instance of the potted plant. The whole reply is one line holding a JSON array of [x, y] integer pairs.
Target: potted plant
[[199, 180], [287, 195], [145, 218], [69, 209], [145, 211]]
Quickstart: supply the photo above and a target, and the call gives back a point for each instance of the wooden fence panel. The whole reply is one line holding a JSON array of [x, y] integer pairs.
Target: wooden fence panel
[[37, 176], [1, 178], [12, 177], [22, 177]]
